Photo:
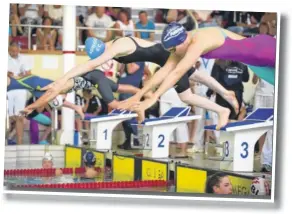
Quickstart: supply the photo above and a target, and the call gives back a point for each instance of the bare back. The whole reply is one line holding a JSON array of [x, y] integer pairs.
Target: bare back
[[211, 38]]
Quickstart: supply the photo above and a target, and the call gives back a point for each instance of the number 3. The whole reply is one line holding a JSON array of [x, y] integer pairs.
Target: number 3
[[160, 145], [245, 145], [227, 148]]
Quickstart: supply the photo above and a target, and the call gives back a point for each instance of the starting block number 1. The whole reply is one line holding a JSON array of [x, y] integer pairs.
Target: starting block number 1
[[160, 144], [105, 134]]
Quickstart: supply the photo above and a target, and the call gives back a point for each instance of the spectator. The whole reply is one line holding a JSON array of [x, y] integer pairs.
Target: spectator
[[219, 183], [79, 101], [17, 67], [126, 24], [131, 74], [14, 20], [264, 97], [92, 105], [30, 14], [100, 20], [82, 13], [46, 37], [230, 74], [55, 12], [205, 18], [245, 22], [271, 20], [181, 17], [145, 24], [113, 12]]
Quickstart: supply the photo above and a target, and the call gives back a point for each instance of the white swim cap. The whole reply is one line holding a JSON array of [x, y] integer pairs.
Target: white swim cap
[[57, 102], [48, 157]]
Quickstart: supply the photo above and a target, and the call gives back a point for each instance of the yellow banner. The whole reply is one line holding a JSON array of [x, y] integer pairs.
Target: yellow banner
[[190, 180], [153, 170], [240, 186], [72, 157], [123, 168]]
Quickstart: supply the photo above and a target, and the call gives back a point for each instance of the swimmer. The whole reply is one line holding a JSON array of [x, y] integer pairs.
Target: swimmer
[[33, 83], [96, 78], [218, 183], [89, 161], [130, 49], [185, 48], [47, 163]]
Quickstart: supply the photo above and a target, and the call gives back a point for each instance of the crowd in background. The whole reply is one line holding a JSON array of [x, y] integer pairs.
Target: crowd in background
[[123, 20], [116, 21]]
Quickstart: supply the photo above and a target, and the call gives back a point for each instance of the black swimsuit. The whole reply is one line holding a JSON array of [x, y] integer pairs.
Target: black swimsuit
[[158, 55]]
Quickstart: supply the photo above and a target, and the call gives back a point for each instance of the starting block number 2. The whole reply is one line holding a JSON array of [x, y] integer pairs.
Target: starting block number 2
[[160, 144], [243, 154]]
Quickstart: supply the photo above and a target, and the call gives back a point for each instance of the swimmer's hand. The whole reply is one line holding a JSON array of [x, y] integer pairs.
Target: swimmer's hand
[[58, 172], [129, 103], [148, 94], [141, 107]]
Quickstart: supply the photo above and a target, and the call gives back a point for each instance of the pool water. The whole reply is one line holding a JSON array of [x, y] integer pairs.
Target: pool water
[[71, 179]]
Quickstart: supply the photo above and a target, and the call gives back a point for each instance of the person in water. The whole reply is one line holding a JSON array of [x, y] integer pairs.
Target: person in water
[[130, 49]]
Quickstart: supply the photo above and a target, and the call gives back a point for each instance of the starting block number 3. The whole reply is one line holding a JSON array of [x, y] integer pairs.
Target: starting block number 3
[[161, 138], [243, 154]]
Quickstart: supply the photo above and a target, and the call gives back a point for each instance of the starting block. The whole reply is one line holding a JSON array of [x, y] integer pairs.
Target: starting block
[[156, 132], [238, 139], [101, 128]]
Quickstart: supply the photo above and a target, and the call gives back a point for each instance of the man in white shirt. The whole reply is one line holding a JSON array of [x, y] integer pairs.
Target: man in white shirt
[[17, 99], [100, 20], [264, 97]]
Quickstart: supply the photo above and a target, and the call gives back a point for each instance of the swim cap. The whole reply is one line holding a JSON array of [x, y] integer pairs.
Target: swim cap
[[48, 157], [94, 47], [174, 34], [89, 159], [57, 102]]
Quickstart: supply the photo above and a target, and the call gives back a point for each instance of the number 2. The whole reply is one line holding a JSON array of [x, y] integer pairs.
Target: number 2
[[245, 145], [105, 134], [160, 145]]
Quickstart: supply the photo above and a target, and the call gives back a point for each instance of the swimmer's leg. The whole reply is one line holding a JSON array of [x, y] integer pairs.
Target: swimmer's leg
[[195, 100], [47, 130], [74, 107], [229, 96]]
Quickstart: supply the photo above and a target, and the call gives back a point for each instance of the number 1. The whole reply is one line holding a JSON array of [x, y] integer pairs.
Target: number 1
[[105, 134]]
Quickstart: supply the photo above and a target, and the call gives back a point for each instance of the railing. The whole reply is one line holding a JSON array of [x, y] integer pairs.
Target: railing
[[78, 28], [157, 32]]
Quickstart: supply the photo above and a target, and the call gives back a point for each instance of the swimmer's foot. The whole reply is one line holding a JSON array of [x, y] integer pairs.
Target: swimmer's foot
[[230, 97], [223, 118]]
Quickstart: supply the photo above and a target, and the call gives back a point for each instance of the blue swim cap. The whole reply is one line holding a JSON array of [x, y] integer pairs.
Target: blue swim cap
[[174, 34], [89, 159], [94, 47]]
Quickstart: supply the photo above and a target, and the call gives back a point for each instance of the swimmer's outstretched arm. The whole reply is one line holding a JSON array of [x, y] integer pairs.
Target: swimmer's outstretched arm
[[153, 82], [117, 48], [186, 63]]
